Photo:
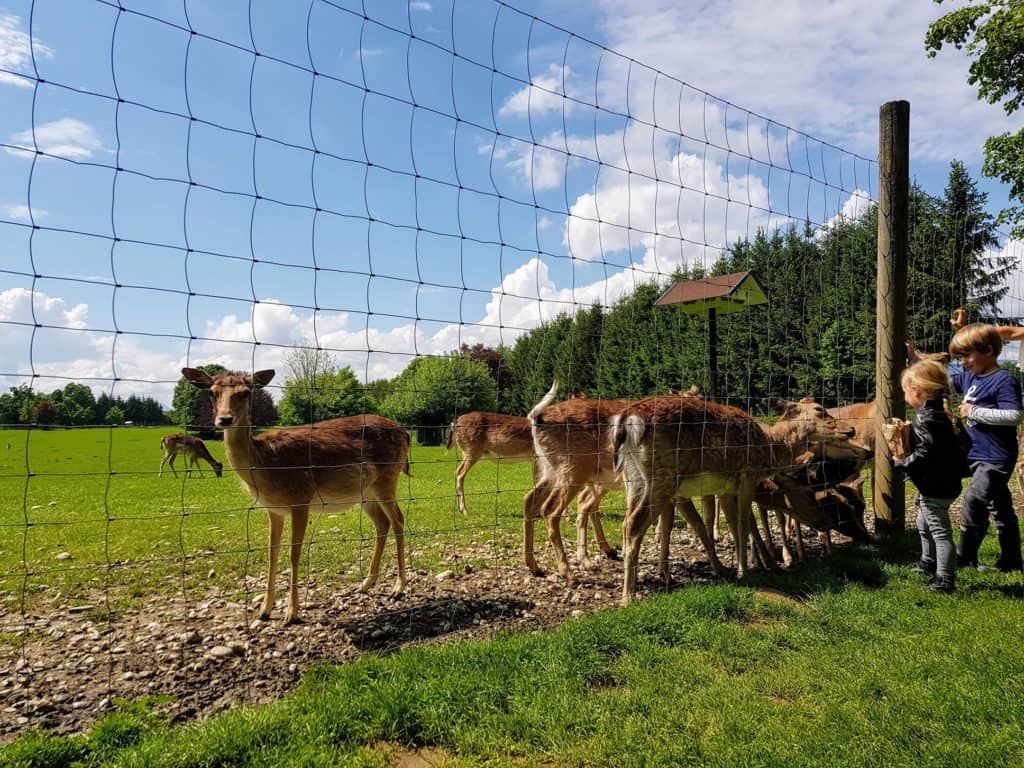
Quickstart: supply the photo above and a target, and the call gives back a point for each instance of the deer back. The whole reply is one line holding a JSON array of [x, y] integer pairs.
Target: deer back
[[481, 433], [343, 461]]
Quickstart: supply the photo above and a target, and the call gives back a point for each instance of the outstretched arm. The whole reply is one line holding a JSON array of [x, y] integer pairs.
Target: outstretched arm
[[1006, 332]]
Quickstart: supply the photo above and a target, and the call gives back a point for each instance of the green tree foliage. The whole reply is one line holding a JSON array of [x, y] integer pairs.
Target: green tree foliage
[[329, 395], [992, 31], [114, 416], [44, 411], [75, 404], [432, 391]]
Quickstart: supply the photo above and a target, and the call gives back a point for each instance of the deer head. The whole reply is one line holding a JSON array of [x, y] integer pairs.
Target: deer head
[[232, 394]]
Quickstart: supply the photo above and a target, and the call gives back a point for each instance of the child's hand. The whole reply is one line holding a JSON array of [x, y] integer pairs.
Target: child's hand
[[965, 409], [959, 318]]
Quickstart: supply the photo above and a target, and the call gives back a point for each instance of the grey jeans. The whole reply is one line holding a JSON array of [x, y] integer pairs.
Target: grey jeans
[[936, 534]]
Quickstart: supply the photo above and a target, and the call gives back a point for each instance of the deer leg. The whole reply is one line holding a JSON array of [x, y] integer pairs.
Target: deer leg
[[638, 520], [689, 512], [397, 521], [171, 463], [744, 516], [595, 517], [531, 505], [197, 465], [163, 461], [769, 542], [764, 555], [801, 553], [825, 538], [300, 518], [273, 548], [460, 477], [787, 552], [381, 525], [555, 506], [666, 519], [709, 509]]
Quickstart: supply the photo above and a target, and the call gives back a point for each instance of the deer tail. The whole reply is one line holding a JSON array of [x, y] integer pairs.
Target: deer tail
[[545, 401]]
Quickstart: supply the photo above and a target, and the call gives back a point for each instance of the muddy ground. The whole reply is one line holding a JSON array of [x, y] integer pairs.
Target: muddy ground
[[62, 666]]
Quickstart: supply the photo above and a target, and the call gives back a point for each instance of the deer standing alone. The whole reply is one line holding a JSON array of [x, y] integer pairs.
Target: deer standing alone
[[194, 450], [331, 464]]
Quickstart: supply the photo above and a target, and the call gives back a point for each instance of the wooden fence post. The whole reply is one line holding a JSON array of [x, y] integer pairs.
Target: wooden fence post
[[891, 302]]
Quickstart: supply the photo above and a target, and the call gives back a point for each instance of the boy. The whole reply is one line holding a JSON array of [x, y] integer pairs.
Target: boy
[[992, 409]]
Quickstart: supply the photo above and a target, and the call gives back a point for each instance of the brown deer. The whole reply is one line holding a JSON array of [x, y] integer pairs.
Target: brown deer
[[571, 441], [331, 464], [194, 450], [672, 447], [479, 435]]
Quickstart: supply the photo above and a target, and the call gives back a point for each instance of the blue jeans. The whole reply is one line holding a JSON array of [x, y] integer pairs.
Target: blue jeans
[[936, 533]]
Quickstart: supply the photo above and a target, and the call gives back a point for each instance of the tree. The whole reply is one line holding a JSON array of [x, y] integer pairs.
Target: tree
[[114, 416], [432, 391], [44, 411], [992, 31], [327, 395], [75, 404]]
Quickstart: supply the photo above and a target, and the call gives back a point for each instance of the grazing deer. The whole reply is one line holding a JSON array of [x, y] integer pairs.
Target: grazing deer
[[331, 464], [480, 434], [672, 447], [194, 450]]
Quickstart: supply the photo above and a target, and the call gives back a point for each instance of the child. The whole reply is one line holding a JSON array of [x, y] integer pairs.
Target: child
[[934, 464], [992, 409]]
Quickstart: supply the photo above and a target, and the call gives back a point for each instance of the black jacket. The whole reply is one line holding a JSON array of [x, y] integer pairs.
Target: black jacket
[[936, 460]]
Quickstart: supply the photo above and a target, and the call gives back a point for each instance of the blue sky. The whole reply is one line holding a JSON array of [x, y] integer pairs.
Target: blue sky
[[358, 185]]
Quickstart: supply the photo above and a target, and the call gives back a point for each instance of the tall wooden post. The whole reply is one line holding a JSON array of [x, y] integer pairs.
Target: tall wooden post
[[891, 302], [713, 352]]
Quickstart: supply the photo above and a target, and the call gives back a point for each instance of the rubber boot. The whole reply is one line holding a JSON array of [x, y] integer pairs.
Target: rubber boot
[[1009, 548]]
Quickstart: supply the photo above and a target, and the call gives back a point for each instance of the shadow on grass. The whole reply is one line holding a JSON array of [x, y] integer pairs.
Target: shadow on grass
[[429, 619]]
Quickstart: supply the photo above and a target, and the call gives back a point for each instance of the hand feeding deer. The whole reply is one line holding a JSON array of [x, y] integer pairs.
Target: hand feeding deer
[[331, 464], [673, 447], [194, 450]]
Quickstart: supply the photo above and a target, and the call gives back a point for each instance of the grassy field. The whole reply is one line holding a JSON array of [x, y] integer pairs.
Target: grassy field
[[840, 662], [83, 510], [845, 662]]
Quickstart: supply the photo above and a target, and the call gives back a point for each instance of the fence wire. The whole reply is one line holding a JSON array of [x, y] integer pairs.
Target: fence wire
[[427, 208]]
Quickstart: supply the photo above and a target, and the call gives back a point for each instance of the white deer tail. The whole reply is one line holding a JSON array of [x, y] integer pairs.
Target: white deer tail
[[544, 403]]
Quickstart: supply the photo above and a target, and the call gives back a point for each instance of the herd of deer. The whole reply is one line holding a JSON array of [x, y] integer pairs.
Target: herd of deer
[[665, 451]]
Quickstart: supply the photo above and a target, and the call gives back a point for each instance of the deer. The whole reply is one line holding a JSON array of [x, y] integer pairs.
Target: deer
[[574, 458], [480, 434], [670, 447], [193, 448], [331, 465]]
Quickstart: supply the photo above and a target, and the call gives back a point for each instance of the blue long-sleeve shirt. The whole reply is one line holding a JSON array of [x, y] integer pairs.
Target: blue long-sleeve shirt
[[996, 410]]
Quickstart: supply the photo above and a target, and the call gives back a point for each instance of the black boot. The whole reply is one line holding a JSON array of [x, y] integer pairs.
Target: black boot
[[1009, 548], [968, 546]]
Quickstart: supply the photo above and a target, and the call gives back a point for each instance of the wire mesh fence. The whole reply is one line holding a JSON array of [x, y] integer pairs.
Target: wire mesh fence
[[420, 210]]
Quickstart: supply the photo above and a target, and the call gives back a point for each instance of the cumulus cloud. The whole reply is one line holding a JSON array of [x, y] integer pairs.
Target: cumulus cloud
[[16, 52], [68, 137], [543, 94]]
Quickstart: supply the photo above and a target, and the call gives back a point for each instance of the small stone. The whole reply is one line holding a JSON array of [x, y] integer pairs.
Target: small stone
[[65, 556], [211, 574], [221, 651], [80, 608], [444, 575]]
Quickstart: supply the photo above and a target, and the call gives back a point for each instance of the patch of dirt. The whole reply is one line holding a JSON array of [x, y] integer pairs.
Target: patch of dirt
[[62, 665]]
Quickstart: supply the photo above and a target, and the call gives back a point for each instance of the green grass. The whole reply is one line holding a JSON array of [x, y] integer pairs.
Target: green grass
[[95, 495], [864, 669]]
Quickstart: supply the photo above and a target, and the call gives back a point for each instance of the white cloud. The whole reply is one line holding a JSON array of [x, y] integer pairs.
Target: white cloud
[[842, 60], [16, 53], [544, 94], [21, 213], [419, 5], [68, 137]]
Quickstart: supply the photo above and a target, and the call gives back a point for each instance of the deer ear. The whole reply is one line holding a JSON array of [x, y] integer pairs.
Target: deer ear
[[777, 403], [262, 378], [197, 377]]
